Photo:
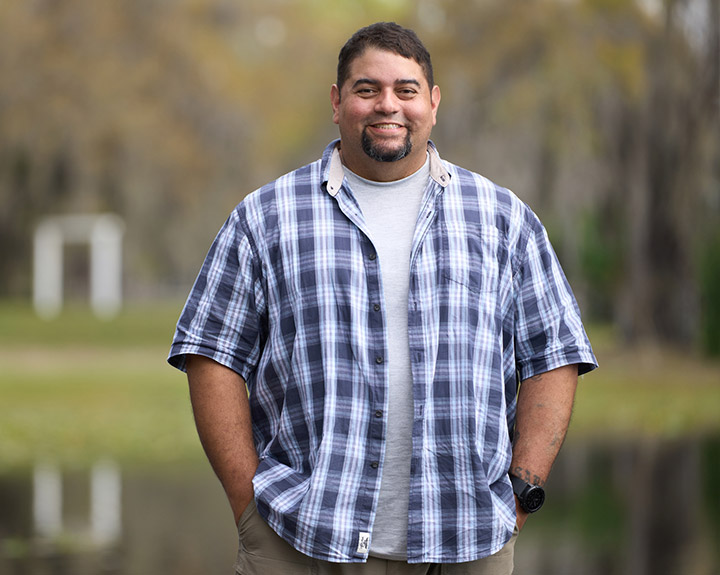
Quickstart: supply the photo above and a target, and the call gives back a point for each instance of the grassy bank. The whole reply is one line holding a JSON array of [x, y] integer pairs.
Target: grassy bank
[[76, 389]]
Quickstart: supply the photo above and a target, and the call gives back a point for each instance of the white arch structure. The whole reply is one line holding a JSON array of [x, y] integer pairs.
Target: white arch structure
[[104, 234]]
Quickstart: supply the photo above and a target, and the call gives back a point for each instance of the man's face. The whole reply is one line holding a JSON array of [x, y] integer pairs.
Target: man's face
[[385, 111]]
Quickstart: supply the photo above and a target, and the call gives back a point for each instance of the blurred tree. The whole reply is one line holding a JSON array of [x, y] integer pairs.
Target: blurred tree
[[165, 112], [678, 124], [101, 105], [596, 106]]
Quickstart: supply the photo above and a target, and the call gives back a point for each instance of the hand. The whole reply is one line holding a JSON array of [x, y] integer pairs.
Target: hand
[[521, 515]]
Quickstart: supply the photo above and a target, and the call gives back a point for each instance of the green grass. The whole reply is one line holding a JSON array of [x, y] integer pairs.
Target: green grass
[[76, 389], [136, 326], [648, 391]]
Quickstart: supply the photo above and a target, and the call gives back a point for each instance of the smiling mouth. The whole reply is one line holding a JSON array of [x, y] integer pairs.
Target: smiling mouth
[[387, 126]]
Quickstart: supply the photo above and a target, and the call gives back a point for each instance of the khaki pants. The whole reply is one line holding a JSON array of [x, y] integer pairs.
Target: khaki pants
[[263, 552]]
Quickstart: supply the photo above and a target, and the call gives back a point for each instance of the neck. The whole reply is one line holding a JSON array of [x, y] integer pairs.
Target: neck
[[377, 171]]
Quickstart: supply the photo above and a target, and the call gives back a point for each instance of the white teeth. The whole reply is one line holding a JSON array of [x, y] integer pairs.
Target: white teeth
[[387, 126]]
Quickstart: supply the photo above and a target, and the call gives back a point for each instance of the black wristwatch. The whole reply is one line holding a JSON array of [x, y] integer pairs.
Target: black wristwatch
[[531, 497]]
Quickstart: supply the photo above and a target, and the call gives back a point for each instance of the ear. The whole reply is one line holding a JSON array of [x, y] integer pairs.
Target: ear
[[335, 101], [435, 102]]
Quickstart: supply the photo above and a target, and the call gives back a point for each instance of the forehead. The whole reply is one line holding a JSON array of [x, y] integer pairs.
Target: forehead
[[383, 66]]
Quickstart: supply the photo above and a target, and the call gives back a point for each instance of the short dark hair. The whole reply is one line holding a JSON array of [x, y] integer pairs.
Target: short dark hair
[[384, 36]]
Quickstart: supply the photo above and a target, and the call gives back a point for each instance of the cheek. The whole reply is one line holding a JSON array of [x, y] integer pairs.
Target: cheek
[[420, 115], [351, 119]]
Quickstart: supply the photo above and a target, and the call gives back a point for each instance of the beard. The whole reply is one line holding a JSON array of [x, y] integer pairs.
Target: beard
[[382, 155]]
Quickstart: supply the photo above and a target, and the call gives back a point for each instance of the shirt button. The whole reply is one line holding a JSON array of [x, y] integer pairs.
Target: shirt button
[[372, 257], [379, 359], [376, 307], [378, 413], [375, 465]]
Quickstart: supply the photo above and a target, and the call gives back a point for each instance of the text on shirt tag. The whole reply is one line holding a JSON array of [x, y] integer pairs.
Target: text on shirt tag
[[363, 542]]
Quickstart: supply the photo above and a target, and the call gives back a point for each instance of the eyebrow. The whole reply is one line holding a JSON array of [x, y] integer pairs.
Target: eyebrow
[[398, 82]]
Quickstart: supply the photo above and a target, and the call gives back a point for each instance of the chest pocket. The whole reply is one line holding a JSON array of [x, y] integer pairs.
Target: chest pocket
[[473, 256]]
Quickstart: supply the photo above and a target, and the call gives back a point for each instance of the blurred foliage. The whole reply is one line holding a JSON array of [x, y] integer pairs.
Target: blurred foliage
[[601, 264], [711, 466], [602, 114], [710, 289]]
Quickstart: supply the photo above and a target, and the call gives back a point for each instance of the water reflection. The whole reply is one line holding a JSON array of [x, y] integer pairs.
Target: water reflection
[[613, 508], [106, 521], [635, 508], [102, 526]]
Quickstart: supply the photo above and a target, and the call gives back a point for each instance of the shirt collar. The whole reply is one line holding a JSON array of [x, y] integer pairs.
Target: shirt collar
[[335, 172]]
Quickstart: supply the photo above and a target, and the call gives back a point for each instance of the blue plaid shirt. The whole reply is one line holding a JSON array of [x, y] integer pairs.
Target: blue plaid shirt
[[290, 297]]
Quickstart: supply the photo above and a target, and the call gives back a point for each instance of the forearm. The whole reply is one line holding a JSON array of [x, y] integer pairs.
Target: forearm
[[222, 417], [544, 407]]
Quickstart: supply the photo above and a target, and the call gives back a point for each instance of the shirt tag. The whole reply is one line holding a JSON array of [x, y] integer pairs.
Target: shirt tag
[[363, 542]]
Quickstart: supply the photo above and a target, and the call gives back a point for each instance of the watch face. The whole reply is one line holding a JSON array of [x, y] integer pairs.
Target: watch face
[[534, 498]]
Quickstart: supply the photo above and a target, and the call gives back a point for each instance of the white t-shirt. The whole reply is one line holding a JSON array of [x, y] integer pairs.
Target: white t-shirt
[[391, 210]]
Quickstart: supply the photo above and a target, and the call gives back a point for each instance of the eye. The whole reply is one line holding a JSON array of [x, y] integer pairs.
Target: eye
[[366, 92], [406, 93]]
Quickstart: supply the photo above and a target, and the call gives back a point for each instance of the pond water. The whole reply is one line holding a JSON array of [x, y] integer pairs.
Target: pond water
[[632, 507]]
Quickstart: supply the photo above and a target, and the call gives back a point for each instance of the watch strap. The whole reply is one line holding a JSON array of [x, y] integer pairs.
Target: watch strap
[[518, 485]]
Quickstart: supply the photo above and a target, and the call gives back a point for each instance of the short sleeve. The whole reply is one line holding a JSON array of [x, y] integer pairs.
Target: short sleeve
[[548, 328], [222, 318]]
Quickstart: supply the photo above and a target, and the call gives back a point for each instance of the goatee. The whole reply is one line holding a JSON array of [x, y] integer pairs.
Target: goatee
[[376, 153]]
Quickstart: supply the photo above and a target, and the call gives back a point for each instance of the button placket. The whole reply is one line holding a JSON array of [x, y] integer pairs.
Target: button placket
[[376, 356]]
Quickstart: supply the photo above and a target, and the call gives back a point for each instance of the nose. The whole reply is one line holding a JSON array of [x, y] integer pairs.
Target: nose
[[386, 102]]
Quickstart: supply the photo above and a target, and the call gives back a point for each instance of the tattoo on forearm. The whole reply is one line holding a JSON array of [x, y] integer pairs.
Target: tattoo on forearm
[[525, 475], [557, 441]]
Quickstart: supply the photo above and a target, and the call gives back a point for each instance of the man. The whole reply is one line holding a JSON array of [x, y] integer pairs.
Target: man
[[355, 337]]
